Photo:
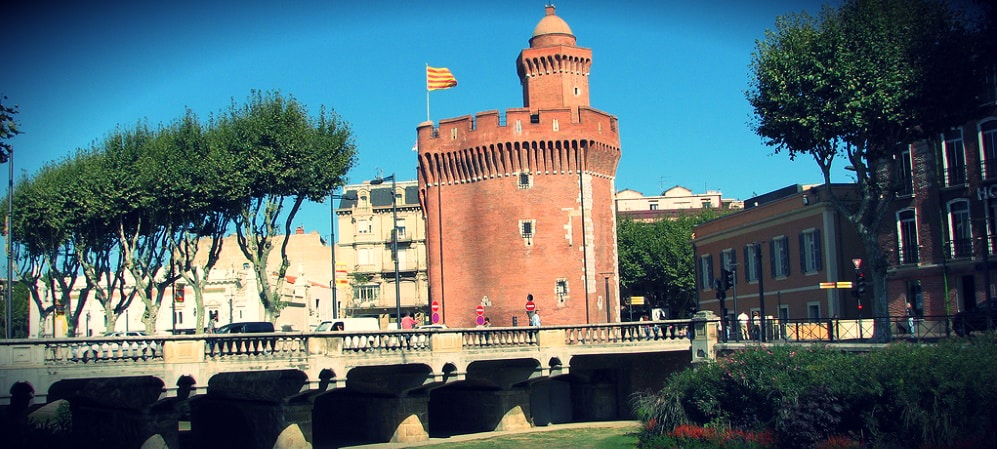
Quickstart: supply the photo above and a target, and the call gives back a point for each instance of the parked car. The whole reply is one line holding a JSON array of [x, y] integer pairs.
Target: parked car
[[976, 319], [126, 334], [350, 324], [246, 327], [432, 326]]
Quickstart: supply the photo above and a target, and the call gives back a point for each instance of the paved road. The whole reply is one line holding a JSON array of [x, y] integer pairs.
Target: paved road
[[488, 435]]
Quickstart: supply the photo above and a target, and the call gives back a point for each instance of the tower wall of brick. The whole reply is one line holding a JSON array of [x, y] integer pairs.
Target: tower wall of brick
[[522, 202]]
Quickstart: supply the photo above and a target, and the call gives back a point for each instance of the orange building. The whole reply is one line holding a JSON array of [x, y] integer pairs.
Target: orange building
[[521, 203]]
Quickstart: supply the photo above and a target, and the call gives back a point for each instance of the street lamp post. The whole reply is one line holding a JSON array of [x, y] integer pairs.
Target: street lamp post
[[332, 245], [394, 244]]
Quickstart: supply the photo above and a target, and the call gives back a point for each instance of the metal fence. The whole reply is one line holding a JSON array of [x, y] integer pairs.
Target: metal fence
[[848, 330]]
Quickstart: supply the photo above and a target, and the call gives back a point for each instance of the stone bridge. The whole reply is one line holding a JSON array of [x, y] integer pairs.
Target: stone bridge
[[330, 389]]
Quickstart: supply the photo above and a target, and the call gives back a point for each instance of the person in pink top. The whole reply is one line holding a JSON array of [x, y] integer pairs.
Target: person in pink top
[[407, 321]]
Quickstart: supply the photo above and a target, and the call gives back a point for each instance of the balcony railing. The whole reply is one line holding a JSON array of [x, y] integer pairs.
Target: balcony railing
[[989, 166], [955, 176], [403, 237], [907, 255], [960, 248]]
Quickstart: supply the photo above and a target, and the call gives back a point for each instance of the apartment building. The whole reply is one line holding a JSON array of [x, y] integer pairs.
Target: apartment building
[[781, 247], [674, 202]]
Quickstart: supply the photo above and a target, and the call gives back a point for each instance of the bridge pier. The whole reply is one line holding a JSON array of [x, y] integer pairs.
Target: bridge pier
[[457, 411], [343, 417], [122, 412], [252, 410], [550, 402]]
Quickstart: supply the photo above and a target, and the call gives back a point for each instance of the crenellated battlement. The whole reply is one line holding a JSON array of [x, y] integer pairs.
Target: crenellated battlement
[[519, 121], [490, 144]]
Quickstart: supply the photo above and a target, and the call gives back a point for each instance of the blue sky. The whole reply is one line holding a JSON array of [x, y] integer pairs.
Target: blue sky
[[673, 72]]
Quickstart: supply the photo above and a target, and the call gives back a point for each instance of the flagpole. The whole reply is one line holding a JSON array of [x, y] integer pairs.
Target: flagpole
[[427, 91]]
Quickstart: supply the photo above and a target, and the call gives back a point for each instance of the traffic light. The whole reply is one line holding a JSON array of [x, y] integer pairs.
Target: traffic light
[[730, 278], [858, 288], [719, 286], [861, 288]]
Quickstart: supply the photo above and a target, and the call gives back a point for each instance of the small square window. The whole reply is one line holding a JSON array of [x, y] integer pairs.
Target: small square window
[[534, 118], [527, 229]]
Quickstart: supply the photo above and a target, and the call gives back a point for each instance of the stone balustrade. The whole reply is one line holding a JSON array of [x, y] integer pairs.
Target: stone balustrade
[[280, 382], [170, 356]]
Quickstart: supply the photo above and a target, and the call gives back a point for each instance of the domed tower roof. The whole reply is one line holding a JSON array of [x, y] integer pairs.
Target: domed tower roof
[[552, 30]]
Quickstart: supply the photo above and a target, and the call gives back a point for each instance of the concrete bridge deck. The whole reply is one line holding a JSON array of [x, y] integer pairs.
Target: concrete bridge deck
[[326, 389]]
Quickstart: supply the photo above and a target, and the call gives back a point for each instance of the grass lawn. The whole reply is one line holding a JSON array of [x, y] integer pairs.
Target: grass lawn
[[588, 438]]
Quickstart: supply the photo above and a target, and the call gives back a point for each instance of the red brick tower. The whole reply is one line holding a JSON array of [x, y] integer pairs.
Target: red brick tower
[[523, 203]]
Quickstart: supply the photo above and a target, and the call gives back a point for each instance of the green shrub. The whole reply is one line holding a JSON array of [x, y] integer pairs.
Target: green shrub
[[904, 395]]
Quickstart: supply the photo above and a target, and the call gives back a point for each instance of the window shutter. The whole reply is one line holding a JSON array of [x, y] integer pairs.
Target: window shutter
[[785, 256], [772, 258], [803, 252], [818, 261], [747, 257], [709, 272]]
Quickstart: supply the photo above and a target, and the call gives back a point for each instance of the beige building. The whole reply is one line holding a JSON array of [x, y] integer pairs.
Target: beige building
[[365, 272], [365, 266], [673, 202]]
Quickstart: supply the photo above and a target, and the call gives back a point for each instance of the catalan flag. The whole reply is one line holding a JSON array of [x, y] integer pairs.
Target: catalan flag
[[439, 78]]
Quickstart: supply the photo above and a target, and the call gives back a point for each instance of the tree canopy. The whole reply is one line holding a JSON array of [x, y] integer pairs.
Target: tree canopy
[[862, 82], [657, 261], [136, 205]]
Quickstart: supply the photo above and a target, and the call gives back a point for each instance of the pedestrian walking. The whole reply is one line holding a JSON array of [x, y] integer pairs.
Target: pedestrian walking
[[535, 318], [742, 319], [910, 319]]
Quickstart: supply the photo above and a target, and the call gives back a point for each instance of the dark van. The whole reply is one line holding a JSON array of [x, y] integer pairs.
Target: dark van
[[246, 328]]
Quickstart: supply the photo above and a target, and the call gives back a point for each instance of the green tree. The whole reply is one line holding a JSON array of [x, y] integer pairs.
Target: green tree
[[45, 261], [657, 261], [8, 129], [286, 158], [863, 82], [203, 195], [102, 199]]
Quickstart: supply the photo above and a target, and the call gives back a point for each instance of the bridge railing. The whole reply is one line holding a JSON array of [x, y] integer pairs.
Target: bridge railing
[[841, 330], [107, 349], [630, 332], [296, 345]]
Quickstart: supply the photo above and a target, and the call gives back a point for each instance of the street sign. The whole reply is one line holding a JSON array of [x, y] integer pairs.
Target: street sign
[[531, 306], [480, 310], [636, 300], [436, 318], [436, 306], [844, 284], [480, 320], [342, 277], [827, 284]]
